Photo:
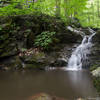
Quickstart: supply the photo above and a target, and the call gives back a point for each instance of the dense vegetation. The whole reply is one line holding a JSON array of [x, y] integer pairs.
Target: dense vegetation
[[91, 16], [86, 11], [65, 9]]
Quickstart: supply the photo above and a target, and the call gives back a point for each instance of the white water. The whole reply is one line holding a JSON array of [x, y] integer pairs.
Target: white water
[[80, 55]]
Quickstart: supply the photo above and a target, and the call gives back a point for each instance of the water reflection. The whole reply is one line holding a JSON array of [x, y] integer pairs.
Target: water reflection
[[67, 84], [81, 83]]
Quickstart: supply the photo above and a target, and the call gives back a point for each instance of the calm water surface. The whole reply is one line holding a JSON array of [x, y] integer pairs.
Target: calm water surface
[[21, 85]]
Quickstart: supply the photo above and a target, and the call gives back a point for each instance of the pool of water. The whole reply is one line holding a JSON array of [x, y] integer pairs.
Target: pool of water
[[20, 85]]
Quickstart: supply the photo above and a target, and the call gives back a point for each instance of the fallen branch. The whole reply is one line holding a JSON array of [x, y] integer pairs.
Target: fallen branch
[[76, 31]]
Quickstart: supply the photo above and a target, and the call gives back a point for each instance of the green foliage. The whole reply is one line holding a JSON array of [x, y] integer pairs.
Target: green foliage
[[91, 15], [58, 8], [87, 11], [96, 82], [16, 8], [0, 28], [72, 8], [44, 39]]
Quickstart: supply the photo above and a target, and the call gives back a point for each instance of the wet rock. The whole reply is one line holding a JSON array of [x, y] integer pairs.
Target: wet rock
[[3, 67], [94, 57], [96, 38], [69, 37], [95, 65], [96, 81], [59, 63], [17, 63], [96, 72], [44, 96], [12, 63], [7, 52], [33, 59]]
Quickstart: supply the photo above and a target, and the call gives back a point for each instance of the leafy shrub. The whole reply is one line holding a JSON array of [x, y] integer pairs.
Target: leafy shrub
[[16, 8], [44, 39]]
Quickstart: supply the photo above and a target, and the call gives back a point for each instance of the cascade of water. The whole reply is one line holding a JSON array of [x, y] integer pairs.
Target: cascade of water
[[80, 55]]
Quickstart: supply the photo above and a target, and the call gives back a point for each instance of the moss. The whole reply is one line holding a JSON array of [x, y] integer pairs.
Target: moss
[[8, 51], [40, 54], [4, 44], [94, 67], [96, 78], [35, 65], [20, 32], [96, 81]]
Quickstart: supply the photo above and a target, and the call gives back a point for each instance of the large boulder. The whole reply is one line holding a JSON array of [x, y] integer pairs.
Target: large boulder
[[96, 38], [96, 72], [96, 78], [34, 58], [94, 57], [60, 62], [69, 36]]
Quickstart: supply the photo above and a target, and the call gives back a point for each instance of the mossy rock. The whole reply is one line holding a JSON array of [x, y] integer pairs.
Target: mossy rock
[[8, 51], [36, 57], [96, 72], [34, 61], [15, 63], [96, 38], [34, 65], [96, 81]]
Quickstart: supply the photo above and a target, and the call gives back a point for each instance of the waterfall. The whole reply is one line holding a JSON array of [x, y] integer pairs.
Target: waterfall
[[80, 54]]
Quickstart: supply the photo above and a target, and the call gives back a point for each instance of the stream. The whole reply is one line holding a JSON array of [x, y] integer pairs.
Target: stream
[[70, 85]]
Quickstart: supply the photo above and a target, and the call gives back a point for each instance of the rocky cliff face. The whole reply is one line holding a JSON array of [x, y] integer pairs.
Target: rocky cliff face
[[95, 61], [95, 52], [17, 34]]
